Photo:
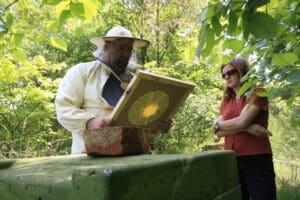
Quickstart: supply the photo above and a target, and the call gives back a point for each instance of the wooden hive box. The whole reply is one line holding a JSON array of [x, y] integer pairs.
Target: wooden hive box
[[208, 175], [150, 99]]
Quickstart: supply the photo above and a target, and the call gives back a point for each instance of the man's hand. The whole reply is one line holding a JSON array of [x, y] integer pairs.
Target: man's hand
[[258, 131], [98, 123]]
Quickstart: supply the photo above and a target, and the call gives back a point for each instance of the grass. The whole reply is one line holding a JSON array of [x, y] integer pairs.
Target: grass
[[287, 180]]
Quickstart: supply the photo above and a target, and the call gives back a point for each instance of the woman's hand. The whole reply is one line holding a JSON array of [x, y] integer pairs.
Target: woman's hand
[[221, 133], [258, 131], [253, 129]]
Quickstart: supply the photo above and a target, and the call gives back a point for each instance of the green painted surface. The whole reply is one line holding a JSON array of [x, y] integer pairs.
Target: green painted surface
[[207, 175]]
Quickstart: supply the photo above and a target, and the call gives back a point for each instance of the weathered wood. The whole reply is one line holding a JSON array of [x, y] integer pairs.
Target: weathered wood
[[150, 99], [207, 175]]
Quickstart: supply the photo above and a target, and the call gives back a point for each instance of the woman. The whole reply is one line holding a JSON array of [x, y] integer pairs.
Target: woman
[[243, 122]]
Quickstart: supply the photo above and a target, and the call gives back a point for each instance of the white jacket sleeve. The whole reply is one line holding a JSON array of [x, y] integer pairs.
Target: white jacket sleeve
[[69, 99]]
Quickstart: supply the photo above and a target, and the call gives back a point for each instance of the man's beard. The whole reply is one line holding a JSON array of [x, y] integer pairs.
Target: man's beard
[[119, 66]]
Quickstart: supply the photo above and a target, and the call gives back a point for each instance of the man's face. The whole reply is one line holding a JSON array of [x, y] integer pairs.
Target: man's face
[[118, 53]]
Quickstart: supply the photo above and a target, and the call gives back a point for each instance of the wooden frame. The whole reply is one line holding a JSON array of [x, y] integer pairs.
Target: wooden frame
[[150, 99]]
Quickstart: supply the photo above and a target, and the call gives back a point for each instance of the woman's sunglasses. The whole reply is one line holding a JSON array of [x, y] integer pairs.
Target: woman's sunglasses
[[229, 73]]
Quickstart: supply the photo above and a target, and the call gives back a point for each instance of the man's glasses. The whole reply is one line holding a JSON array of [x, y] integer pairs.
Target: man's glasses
[[229, 73], [122, 47]]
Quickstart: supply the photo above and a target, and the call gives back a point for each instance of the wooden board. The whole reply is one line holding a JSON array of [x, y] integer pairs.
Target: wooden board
[[150, 99]]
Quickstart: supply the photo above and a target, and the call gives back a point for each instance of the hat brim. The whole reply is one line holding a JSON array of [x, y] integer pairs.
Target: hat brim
[[100, 41]]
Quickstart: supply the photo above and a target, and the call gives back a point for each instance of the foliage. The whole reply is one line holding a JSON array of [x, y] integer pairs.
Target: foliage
[[188, 132], [32, 34], [287, 190], [287, 180], [169, 25], [27, 108], [191, 126], [267, 32], [285, 138]]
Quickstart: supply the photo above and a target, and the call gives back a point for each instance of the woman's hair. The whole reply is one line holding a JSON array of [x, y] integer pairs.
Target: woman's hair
[[241, 65]]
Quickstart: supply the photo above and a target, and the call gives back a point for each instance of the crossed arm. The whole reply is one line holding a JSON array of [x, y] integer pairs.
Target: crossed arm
[[242, 123]]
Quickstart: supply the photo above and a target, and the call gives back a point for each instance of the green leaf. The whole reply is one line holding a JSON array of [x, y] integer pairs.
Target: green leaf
[[253, 4], [283, 59], [90, 8], [263, 93], [17, 38], [246, 86], [290, 101], [77, 9], [217, 26], [293, 77], [201, 37], [9, 20], [234, 44], [297, 9], [51, 2], [19, 56], [102, 1], [207, 13], [59, 43], [262, 25], [236, 4], [245, 78], [62, 6], [210, 11], [245, 24], [249, 92], [39, 59], [233, 20], [210, 36], [290, 36], [203, 14], [41, 37], [63, 16], [55, 25], [209, 42], [297, 50]]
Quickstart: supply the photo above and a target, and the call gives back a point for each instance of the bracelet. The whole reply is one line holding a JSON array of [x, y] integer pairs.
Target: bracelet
[[216, 126]]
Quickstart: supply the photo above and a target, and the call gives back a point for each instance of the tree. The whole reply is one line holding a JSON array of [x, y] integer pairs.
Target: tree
[[40, 40], [266, 32]]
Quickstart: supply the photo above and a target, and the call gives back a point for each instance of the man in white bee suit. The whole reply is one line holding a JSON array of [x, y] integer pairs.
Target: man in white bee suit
[[89, 92]]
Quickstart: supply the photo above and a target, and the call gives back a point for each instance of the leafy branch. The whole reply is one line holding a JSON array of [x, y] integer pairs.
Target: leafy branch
[[9, 5]]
